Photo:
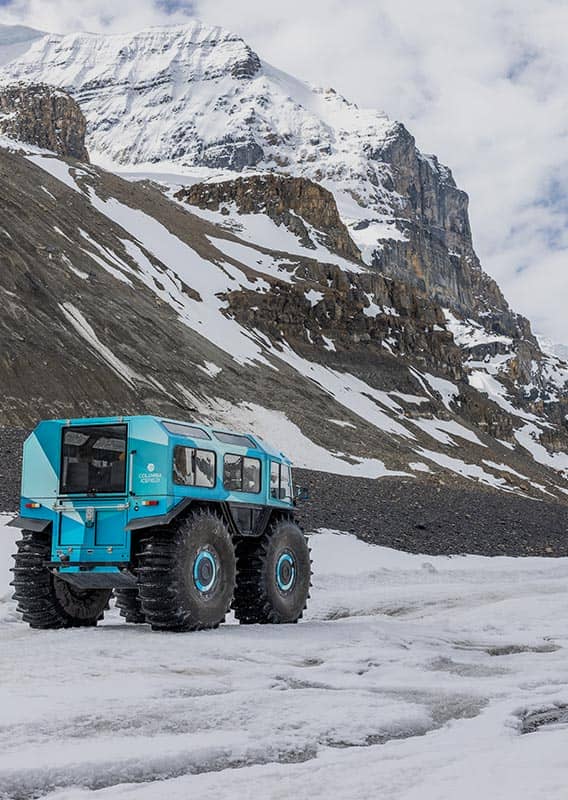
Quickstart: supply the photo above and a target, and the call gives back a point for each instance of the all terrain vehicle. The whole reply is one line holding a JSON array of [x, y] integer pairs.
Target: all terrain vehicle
[[181, 520]]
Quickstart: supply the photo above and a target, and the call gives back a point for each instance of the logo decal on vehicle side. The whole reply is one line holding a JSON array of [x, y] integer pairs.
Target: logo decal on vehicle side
[[150, 476]]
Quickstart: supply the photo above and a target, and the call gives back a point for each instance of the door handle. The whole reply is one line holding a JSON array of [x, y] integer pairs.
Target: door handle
[[131, 471]]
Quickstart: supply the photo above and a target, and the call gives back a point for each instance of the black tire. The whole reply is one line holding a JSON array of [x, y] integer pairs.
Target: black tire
[[128, 599], [46, 601], [273, 576], [187, 574], [130, 605]]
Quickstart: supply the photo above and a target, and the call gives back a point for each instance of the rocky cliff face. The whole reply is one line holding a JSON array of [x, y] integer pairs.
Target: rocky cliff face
[[43, 116], [436, 252], [297, 203]]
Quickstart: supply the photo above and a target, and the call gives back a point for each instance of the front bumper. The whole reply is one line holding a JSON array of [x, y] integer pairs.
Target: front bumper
[[93, 574], [34, 524]]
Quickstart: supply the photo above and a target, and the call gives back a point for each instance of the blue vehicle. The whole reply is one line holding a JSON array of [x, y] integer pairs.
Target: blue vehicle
[[181, 520]]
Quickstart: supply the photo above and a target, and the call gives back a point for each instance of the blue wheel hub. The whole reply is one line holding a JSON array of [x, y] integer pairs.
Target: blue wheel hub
[[285, 572], [205, 571]]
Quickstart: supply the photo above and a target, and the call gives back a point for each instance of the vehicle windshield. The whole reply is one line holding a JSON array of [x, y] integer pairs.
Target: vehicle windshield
[[93, 459]]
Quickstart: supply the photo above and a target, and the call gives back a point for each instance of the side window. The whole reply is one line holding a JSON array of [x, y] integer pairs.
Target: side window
[[232, 473], [241, 474], [194, 467], [280, 481], [236, 439], [186, 430], [275, 480], [204, 468], [251, 475], [286, 482]]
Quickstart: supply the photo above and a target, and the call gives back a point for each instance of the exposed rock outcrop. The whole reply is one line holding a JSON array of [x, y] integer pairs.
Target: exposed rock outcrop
[[45, 117], [247, 66], [288, 201], [227, 153], [373, 324], [438, 254]]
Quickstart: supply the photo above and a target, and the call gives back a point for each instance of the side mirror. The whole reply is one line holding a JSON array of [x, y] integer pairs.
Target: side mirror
[[301, 493]]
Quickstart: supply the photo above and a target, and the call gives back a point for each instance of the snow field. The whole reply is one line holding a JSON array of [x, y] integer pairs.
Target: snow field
[[407, 679]]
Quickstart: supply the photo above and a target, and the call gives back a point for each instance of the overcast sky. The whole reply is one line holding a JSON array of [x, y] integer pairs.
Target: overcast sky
[[481, 83]]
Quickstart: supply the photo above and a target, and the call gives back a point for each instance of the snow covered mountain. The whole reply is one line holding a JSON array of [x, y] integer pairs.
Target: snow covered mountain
[[295, 259], [198, 96], [175, 99]]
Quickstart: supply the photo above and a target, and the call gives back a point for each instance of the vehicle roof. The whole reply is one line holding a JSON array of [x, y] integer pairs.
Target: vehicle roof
[[260, 443]]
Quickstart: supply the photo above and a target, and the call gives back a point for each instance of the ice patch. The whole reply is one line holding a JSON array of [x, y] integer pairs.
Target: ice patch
[[255, 259], [469, 333], [211, 369], [314, 297], [350, 392], [419, 466], [529, 437], [495, 390]]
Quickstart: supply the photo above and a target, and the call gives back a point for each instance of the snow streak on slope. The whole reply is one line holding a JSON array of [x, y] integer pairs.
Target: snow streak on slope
[[263, 232], [529, 437], [206, 278], [275, 426], [409, 678], [78, 321], [489, 356]]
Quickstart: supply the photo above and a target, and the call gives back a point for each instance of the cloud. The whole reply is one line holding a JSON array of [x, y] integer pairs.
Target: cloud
[[481, 83], [68, 16]]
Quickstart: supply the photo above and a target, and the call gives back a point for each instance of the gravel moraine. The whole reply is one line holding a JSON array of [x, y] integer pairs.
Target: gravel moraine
[[436, 519], [423, 516], [11, 441]]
